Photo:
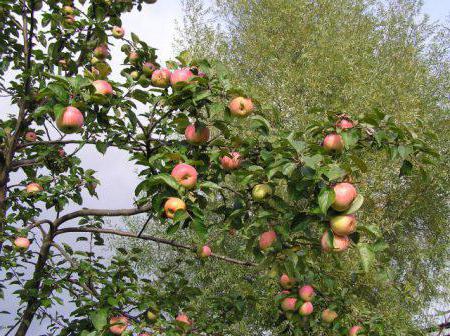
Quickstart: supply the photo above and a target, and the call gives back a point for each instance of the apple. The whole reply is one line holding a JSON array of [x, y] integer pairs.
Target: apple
[[286, 281], [261, 191], [135, 74], [102, 87], [340, 243], [22, 243], [196, 135], [30, 136], [144, 334], [241, 107], [69, 19], [119, 324], [285, 292], [101, 52], [267, 239], [333, 142], [306, 309], [148, 68], [161, 78], [288, 304], [329, 316], [185, 175], [306, 293], [34, 188], [118, 32], [133, 56], [152, 316], [180, 75], [343, 225], [344, 124], [70, 121], [172, 205], [205, 251], [68, 10], [61, 152], [231, 161], [37, 5], [62, 63], [345, 193], [355, 330], [184, 320]]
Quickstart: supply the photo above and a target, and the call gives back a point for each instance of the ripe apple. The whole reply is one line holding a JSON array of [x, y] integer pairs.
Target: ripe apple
[[196, 135], [333, 142], [69, 19], [267, 239], [231, 161], [183, 319], [61, 152], [355, 330], [344, 124], [340, 243], [306, 309], [241, 107], [30, 136], [161, 78], [329, 316], [205, 251], [34, 188], [22, 243], [148, 68], [345, 194], [261, 191], [172, 205], [68, 10], [306, 293], [120, 323], [185, 174], [181, 75], [133, 56], [102, 87], [288, 304], [101, 52], [343, 225], [70, 121], [286, 281], [118, 32]]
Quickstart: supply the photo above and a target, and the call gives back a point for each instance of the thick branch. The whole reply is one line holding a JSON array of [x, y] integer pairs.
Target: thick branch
[[152, 238]]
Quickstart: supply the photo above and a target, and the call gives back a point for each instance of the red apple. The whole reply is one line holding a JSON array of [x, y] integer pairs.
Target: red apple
[[306, 293], [205, 251], [196, 135], [285, 292], [119, 324], [61, 152], [185, 174], [102, 87], [118, 32], [161, 78], [333, 142], [22, 243], [133, 56], [286, 281], [355, 330], [69, 19], [288, 304], [183, 319], [345, 194], [101, 52], [172, 205], [340, 243], [34, 188], [145, 334], [30, 136], [231, 161], [343, 225], [148, 68], [344, 124], [70, 121], [306, 309], [241, 106], [329, 316], [181, 75], [267, 239]]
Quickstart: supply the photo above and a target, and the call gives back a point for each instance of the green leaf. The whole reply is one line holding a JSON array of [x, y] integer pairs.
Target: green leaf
[[334, 172], [312, 161], [357, 203], [101, 147], [164, 179], [406, 168], [258, 121], [359, 163], [405, 151], [180, 216], [99, 318], [367, 256], [59, 92], [326, 198], [299, 146], [199, 227], [209, 185]]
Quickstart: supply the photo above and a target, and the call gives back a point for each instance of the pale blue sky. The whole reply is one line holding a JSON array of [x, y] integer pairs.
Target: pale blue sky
[[437, 9]]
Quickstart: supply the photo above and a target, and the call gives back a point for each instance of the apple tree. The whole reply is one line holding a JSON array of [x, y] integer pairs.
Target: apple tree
[[208, 162]]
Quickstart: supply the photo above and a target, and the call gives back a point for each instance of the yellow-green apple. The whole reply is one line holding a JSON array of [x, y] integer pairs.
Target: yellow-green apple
[[266, 239], [148, 68], [205, 251], [345, 193], [102, 87], [152, 316], [196, 135], [30, 136], [161, 78], [183, 319], [333, 142], [343, 225], [344, 124], [172, 205], [22, 243], [261, 191], [288, 304], [329, 316], [118, 32], [185, 175], [241, 106], [133, 57], [118, 324], [135, 74], [34, 188], [306, 309], [286, 281], [101, 52], [71, 120], [334, 243], [355, 330], [68, 10], [306, 293], [180, 75], [231, 161]]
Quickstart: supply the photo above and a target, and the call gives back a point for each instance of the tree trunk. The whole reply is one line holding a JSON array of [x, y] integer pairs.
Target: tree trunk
[[3, 206]]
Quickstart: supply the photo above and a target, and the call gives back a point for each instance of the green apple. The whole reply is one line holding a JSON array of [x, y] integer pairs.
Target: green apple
[[261, 191]]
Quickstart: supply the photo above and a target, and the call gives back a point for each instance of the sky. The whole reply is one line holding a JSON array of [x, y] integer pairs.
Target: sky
[[156, 24]]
